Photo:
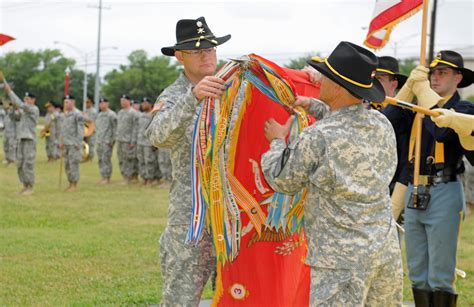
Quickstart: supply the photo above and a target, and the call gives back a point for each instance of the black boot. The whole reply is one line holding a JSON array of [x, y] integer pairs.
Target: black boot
[[444, 299], [423, 298]]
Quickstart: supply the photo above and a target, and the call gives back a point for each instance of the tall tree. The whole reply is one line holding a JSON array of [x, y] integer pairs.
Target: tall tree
[[43, 73], [141, 77]]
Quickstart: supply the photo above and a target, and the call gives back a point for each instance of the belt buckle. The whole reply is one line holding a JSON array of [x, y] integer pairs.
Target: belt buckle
[[424, 180]]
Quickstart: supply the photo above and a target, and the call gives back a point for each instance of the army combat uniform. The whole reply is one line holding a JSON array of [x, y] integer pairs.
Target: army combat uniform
[[26, 138], [127, 141], [164, 162], [73, 134], [147, 157], [51, 141], [185, 268], [10, 141], [90, 140], [106, 129], [346, 161]]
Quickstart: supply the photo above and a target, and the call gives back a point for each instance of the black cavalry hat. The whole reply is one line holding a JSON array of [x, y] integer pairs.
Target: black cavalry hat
[[146, 99], [194, 34], [70, 97], [389, 65], [30, 94], [453, 60], [125, 96], [353, 68]]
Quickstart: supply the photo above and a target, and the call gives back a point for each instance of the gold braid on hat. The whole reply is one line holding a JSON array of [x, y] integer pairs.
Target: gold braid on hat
[[198, 40]]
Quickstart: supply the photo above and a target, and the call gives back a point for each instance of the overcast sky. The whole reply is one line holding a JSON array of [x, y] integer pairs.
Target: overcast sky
[[278, 30]]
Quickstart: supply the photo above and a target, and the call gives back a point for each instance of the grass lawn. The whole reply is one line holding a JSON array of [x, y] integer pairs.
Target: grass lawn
[[99, 245]]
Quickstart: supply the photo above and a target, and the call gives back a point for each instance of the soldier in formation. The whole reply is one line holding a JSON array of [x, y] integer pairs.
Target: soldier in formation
[[26, 138], [72, 141], [106, 129], [90, 115], [126, 138]]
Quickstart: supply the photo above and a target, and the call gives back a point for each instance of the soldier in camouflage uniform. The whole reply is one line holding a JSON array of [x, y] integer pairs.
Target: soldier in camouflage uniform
[[90, 115], [72, 135], [185, 268], [106, 129], [136, 108], [346, 161], [26, 138], [127, 139], [10, 141], [147, 157], [51, 140]]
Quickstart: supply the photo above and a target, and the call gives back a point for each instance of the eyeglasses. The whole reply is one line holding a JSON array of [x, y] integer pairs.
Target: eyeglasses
[[200, 52]]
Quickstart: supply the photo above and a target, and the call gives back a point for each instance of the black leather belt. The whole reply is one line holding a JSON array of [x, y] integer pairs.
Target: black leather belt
[[434, 180]]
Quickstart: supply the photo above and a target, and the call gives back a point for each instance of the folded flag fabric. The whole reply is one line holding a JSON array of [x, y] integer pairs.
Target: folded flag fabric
[[257, 233]]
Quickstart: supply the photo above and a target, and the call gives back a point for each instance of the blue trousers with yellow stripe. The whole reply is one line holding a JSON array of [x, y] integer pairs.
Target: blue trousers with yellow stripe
[[431, 237]]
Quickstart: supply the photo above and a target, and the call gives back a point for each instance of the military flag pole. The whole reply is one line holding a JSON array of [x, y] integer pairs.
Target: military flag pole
[[418, 122]]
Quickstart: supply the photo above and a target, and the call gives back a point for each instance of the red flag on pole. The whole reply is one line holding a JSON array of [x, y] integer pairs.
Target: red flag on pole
[[66, 84], [5, 39], [387, 14]]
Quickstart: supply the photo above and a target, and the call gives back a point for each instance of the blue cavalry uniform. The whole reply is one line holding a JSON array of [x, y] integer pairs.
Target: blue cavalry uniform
[[431, 233]]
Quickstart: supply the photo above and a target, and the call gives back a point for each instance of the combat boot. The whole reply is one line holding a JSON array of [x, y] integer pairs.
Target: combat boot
[[71, 187], [104, 181], [28, 190], [423, 298], [444, 299]]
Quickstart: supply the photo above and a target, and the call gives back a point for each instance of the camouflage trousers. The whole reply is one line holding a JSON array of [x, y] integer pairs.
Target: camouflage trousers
[[91, 142], [52, 149], [185, 268], [148, 162], [104, 155], [10, 145], [164, 161], [72, 158], [25, 163], [126, 157], [377, 282]]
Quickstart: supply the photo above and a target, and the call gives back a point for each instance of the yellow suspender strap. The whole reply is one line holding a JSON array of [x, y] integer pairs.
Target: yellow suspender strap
[[439, 147], [439, 153], [411, 147]]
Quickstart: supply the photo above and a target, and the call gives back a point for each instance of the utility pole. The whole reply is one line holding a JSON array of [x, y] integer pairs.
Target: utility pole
[[97, 72], [432, 31], [84, 91]]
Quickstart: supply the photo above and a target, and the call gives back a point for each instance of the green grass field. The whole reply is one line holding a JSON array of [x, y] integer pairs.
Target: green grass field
[[99, 245]]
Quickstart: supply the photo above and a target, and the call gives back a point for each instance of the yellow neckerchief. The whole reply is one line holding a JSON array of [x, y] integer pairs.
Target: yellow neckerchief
[[445, 99], [439, 147]]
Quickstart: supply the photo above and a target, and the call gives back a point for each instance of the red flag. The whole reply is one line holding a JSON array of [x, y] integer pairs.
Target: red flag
[[387, 14], [260, 276], [5, 39], [66, 83]]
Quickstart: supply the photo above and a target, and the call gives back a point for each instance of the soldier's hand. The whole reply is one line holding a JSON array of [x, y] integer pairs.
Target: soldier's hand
[[78, 147], [7, 88], [314, 75], [61, 146], [302, 101], [274, 130], [111, 145], [131, 146], [210, 86], [420, 73]]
